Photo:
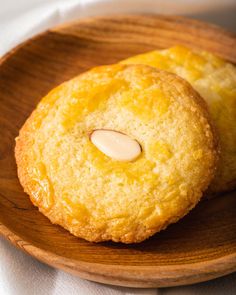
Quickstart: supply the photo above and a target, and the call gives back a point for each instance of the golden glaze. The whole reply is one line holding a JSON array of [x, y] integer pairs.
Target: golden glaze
[[97, 198], [215, 80]]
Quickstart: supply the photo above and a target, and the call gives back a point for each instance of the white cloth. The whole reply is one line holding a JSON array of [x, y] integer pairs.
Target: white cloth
[[20, 274], [20, 19]]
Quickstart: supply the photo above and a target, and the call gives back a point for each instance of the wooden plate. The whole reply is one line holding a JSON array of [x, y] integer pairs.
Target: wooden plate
[[200, 247]]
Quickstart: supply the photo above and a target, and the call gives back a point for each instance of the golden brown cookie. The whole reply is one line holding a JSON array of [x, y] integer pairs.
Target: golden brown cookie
[[215, 80], [88, 181]]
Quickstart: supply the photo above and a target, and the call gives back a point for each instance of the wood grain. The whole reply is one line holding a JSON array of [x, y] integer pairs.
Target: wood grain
[[200, 247]]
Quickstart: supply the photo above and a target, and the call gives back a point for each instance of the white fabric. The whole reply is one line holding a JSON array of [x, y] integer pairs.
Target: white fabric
[[19, 19]]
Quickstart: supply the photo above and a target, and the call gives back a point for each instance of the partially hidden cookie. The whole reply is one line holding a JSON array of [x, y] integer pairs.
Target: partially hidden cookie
[[215, 80], [117, 153]]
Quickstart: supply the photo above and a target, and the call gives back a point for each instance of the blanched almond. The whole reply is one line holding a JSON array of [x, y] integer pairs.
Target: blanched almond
[[116, 145]]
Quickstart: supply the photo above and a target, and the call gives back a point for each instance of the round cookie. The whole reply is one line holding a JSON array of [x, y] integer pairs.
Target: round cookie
[[95, 196], [215, 80]]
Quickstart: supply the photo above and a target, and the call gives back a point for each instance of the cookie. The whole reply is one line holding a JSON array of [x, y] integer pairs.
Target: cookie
[[215, 80], [117, 153]]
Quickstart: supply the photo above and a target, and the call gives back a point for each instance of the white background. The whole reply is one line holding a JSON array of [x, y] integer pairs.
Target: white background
[[19, 19]]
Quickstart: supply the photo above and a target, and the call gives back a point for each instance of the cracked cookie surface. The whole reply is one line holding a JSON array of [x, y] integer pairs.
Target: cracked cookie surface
[[95, 197]]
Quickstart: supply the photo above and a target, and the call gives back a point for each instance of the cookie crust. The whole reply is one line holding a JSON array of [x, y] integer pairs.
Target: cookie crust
[[96, 198]]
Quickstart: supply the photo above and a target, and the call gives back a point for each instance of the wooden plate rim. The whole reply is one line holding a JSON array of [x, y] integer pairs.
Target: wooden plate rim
[[198, 271]]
